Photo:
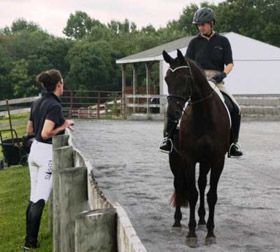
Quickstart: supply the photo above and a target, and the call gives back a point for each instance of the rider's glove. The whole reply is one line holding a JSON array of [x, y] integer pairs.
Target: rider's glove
[[219, 77]]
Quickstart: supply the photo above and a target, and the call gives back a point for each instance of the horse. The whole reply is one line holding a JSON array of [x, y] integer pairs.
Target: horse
[[203, 138]]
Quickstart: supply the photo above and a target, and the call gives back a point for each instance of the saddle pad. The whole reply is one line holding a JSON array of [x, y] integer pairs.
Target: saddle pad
[[217, 90]]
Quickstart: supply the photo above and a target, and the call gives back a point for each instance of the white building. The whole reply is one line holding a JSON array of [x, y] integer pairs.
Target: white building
[[256, 65]]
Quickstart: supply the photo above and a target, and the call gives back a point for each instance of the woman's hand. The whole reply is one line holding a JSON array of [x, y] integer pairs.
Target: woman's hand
[[68, 124], [49, 131]]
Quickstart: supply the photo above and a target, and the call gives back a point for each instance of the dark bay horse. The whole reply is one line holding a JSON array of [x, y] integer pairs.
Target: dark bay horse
[[203, 138]]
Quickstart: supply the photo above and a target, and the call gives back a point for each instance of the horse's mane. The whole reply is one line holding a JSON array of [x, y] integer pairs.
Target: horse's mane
[[197, 70]]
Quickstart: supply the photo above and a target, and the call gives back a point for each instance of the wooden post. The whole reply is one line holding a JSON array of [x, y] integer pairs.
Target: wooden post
[[71, 104], [161, 83], [98, 106], [96, 231], [73, 200], [10, 120], [148, 77], [134, 85], [62, 158], [123, 68], [58, 141]]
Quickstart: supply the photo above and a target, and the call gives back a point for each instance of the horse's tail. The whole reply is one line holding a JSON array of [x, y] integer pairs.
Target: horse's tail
[[179, 200]]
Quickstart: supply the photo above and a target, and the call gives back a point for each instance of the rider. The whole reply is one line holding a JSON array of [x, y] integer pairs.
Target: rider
[[212, 52]]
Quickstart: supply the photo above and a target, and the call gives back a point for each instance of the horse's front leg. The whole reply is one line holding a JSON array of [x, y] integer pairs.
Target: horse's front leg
[[216, 171], [177, 217], [202, 182], [193, 196]]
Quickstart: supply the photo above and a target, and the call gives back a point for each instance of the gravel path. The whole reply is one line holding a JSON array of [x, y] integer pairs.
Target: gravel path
[[130, 170]]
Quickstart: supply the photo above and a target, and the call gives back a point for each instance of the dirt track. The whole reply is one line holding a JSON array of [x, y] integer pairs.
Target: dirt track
[[130, 170]]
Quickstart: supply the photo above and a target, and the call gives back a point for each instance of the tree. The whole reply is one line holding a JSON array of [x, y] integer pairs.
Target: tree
[[89, 67], [5, 65], [79, 25], [20, 80], [254, 18], [23, 25]]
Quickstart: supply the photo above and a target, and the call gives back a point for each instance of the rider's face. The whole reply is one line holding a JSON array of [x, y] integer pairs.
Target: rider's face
[[205, 28]]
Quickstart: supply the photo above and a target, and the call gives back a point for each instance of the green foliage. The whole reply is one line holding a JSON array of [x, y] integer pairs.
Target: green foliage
[[14, 194], [258, 19], [19, 78], [87, 57], [79, 25], [89, 66]]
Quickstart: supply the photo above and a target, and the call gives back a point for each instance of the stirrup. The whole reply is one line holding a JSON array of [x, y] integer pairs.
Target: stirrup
[[229, 150], [166, 139]]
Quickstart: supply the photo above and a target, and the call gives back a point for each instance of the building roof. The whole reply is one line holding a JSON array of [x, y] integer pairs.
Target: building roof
[[244, 48], [154, 53]]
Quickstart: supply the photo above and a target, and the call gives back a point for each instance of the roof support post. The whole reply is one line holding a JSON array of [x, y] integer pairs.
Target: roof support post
[[161, 83], [123, 67], [134, 85], [148, 78]]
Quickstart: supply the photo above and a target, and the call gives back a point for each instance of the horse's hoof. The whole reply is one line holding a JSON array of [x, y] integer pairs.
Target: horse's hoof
[[202, 227], [192, 242], [177, 225], [210, 240]]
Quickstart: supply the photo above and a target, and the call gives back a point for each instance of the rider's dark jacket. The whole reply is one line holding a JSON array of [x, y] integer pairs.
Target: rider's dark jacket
[[210, 54]]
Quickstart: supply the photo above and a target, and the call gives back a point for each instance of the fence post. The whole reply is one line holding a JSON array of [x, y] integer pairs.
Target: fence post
[[62, 158], [98, 105], [96, 231], [124, 107], [73, 200], [71, 104], [58, 141]]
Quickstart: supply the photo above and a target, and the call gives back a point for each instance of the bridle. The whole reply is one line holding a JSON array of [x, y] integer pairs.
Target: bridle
[[182, 98]]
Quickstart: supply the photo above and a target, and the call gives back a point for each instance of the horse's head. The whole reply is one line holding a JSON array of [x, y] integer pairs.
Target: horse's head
[[179, 80]]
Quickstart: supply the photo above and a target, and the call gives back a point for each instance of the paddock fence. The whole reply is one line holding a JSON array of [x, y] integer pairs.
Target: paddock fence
[[114, 105], [82, 218]]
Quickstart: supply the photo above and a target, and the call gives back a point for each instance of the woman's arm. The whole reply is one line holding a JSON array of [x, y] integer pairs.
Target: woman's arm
[[49, 130], [29, 128]]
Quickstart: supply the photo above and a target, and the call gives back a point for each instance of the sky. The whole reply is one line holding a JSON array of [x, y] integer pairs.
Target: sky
[[52, 15]]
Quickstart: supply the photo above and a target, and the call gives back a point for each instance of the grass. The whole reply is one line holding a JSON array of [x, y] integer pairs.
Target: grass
[[14, 197]]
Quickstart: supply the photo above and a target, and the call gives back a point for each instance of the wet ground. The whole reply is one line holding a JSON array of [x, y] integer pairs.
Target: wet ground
[[130, 170]]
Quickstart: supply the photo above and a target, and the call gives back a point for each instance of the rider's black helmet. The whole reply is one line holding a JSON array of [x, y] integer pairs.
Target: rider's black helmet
[[203, 15]]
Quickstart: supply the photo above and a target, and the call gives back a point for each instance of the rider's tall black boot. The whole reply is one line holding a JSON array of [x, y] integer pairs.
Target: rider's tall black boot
[[166, 144], [234, 148], [27, 214], [33, 224]]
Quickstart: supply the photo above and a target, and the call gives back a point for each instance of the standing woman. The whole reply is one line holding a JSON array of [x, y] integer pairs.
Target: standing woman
[[46, 120]]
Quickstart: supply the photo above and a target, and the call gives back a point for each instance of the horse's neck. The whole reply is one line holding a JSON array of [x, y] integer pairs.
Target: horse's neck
[[202, 91]]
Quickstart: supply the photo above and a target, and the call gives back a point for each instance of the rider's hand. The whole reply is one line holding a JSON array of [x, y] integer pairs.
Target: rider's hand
[[219, 77]]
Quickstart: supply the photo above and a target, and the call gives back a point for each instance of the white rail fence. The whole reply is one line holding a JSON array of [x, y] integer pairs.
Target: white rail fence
[[252, 106], [150, 106]]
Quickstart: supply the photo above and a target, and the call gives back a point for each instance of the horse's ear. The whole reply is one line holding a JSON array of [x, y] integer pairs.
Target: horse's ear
[[180, 55], [167, 57]]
